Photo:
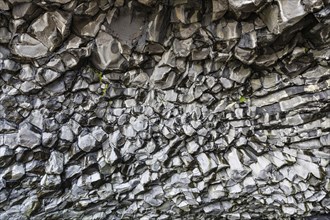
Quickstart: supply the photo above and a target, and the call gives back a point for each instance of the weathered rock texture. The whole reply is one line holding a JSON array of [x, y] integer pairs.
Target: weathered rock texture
[[164, 109]]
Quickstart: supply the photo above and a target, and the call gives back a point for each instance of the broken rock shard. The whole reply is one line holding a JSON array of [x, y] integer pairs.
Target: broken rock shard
[[145, 109]]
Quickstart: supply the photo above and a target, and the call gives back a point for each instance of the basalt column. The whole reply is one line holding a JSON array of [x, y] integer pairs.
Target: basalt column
[[169, 109]]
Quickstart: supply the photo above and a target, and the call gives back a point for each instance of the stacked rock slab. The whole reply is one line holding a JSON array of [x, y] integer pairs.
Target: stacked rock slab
[[174, 109]]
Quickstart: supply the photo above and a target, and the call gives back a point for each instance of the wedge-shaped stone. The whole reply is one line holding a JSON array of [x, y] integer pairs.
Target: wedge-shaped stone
[[187, 13], [6, 126], [47, 76]]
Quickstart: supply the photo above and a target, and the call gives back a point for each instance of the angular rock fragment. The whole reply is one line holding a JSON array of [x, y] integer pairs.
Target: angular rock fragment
[[28, 137], [50, 181], [89, 180], [29, 87], [219, 8], [107, 53], [6, 126], [239, 74], [282, 15], [86, 142], [86, 27], [14, 172], [72, 171], [28, 47], [237, 169], [99, 134], [24, 10], [205, 163], [200, 54], [87, 8], [48, 76], [55, 163], [248, 40], [187, 13], [51, 28], [303, 168], [140, 124], [216, 191], [182, 48], [30, 205], [187, 31], [188, 130], [228, 30], [160, 22], [4, 5], [67, 134], [154, 196], [192, 147], [310, 144], [325, 140], [5, 156], [36, 119]]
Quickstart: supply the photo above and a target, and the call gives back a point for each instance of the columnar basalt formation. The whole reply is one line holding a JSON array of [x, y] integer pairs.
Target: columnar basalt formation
[[173, 109]]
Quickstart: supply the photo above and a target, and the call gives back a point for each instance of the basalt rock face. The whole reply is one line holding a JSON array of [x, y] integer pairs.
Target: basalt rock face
[[171, 109]]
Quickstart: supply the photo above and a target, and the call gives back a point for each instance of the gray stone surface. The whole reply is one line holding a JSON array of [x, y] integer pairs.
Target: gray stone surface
[[145, 109], [55, 163], [108, 52], [28, 137], [86, 142]]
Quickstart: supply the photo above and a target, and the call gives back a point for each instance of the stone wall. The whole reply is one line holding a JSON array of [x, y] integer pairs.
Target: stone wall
[[170, 109]]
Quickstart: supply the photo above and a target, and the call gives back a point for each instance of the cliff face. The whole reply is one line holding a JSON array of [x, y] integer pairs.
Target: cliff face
[[164, 109]]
